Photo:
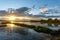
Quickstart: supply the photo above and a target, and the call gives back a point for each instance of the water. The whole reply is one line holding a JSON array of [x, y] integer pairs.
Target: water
[[14, 32]]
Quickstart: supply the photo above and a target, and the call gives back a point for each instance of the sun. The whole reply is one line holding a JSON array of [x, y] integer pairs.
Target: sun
[[11, 18]]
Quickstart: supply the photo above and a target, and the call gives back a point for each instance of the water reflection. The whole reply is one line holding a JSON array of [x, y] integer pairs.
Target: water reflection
[[10, 26], [23, 33], [52, 26]]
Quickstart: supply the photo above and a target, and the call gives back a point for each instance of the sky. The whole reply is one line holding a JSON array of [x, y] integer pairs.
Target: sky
[[5, 4]]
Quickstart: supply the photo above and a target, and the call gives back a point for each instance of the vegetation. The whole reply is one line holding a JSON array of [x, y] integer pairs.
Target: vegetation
[[41, 29], [49, 21], [54, 34]]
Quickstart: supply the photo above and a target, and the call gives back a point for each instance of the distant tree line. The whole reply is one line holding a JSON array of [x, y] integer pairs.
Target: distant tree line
[[49, 21]]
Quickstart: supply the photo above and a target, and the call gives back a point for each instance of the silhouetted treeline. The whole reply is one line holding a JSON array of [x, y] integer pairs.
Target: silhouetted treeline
[[49, 21]]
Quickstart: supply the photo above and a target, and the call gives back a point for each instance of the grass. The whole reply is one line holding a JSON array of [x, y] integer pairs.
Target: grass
[[40, 29]]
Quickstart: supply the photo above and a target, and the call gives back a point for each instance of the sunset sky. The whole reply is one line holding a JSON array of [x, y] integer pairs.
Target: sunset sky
[[4, 4]]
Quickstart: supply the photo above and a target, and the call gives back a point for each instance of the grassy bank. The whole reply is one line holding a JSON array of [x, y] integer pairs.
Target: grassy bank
[[40, 29]]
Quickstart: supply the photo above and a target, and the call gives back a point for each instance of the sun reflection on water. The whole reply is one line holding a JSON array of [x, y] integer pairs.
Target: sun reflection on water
[[10, 26]]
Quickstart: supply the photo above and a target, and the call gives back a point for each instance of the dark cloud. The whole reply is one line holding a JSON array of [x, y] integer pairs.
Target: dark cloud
[[22, 9], [2, 12]]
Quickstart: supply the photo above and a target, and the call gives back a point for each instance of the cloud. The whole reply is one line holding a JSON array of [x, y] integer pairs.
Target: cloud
[[22, 9], [43, 10], [50, 9]]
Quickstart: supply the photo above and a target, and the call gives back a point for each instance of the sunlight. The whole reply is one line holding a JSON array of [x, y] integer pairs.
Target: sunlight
[[10, 26], [12, 18]]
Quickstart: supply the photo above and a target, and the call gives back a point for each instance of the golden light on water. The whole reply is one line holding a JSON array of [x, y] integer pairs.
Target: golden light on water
[[10, 26]]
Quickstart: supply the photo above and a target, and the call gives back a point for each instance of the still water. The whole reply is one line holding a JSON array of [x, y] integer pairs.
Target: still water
[[14, 32]]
